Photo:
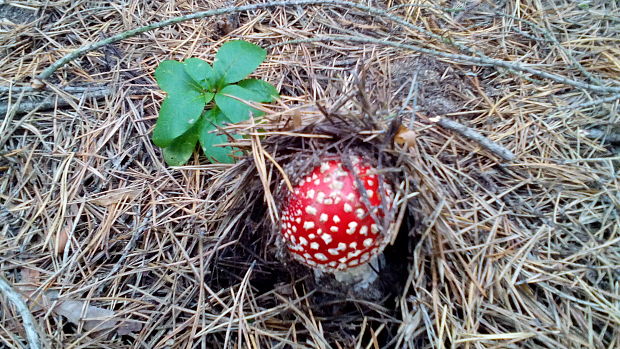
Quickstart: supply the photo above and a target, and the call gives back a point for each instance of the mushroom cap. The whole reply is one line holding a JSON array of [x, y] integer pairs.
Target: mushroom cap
[[325, 222]]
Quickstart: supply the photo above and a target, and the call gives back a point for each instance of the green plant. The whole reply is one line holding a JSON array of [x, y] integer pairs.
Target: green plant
[[202, 97]]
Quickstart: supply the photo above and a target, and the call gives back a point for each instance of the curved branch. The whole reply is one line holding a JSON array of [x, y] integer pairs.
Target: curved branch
[[197, 15], [28, 321], [482, 59], [513, 66]]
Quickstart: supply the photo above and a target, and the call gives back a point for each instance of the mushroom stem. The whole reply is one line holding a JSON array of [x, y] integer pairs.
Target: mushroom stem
[[362, 276]]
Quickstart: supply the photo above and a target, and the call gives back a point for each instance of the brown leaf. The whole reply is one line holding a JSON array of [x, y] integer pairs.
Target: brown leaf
[[30, 276], [92, 317], [30, 279], [294, 122], [405, 137], [62, 237]]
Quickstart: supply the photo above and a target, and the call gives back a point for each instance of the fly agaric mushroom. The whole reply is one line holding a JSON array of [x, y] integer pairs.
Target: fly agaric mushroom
[[325, 221]]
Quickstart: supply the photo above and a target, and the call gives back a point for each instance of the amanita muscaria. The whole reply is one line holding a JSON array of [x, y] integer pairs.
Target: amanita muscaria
[[326, 223]]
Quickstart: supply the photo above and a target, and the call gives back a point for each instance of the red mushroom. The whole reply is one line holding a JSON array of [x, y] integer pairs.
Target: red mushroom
[[325, 222]]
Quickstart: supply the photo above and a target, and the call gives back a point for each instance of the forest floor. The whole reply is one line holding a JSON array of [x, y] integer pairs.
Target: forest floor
[[112, 248]]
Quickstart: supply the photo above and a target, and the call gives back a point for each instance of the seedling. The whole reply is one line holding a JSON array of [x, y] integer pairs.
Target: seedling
[[202, 97]]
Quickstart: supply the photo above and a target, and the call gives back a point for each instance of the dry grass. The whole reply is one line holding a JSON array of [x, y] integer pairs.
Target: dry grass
[[520, 254]]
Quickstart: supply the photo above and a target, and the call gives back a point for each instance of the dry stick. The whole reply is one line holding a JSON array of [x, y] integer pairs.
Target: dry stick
[[592, 103], [68, 89], [548, 34], [606, 137], [137, 232], [336, 3], [50, 102], [475, 136], [550, 37], [345, 4], [413, 92], [28, 321], [462, 58]]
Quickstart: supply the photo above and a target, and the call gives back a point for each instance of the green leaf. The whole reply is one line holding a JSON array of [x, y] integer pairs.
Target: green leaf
[[234, 109], [201, 72], [209, 140], [208, 96], [198, 69], [237, 59], [267, 92], [182, 147], [178, 113], [172, 78]]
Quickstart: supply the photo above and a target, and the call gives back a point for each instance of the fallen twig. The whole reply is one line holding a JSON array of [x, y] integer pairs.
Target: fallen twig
[[28, 321], [482, 59], [475, 136], [606, 137], [197, 15], [68, 89], [546, 33], [50, 102], [611, 98]]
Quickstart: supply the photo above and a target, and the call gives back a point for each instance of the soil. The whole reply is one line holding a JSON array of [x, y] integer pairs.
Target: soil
[[16, 14]]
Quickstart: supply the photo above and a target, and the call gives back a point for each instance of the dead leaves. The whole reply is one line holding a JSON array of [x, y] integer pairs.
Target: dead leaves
[[91, 317], [80, 312], [77, 312]]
